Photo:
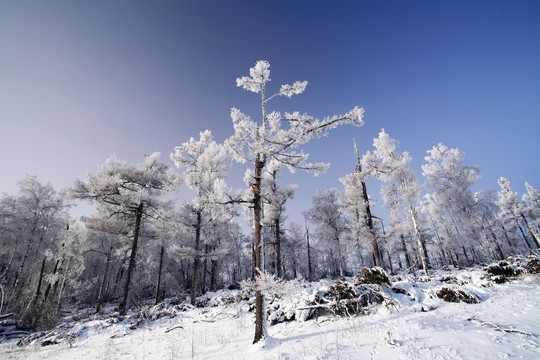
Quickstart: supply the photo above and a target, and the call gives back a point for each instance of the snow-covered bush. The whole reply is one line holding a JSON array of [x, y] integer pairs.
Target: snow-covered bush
[[375, 275], [450, 295], [530, 263], [344, 299], [502, 272]]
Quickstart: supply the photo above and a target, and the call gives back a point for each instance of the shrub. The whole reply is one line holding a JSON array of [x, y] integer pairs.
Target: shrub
[[456, 296], [374, 275], [532, 264]]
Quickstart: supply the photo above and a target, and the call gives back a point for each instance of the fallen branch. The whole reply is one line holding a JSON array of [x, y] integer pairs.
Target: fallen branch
[[15, 334], [327, 306], [5, 316], [388, 339], [498, 328], [413, 265], [173, 328]]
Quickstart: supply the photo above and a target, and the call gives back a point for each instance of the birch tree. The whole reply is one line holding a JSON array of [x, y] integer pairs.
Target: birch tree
[[512, 213], [275, 136], [402, 188], [531, 209], [451, 182]]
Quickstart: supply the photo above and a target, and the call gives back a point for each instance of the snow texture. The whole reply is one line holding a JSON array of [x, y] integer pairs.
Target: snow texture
[[412, 323]]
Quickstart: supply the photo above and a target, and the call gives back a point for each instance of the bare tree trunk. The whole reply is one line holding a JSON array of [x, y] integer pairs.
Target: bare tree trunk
[[49, 285], [156, 298], [421, 249], [369, 223], [439, 242], [469, 262], [532, 232], [102, 285], [123, 303], [340, 259], [309, 274], [62, 287], [257, 266], [204, 270], [213, 274], [390, 261], [278, 248], [196, 259], [19, 272], [369, 216], [404, 245], [34, 301]]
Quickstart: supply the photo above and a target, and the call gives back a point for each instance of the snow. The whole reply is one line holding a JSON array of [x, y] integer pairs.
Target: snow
[[417, 326]]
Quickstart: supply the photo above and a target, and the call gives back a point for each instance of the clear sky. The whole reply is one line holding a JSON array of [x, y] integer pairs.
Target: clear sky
[[81, 80]]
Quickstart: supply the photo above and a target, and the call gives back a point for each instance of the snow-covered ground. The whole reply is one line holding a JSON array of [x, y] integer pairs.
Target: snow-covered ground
[[505, 324]]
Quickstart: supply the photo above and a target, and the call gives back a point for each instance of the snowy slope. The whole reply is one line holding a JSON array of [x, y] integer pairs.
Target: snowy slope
[[418, 326]]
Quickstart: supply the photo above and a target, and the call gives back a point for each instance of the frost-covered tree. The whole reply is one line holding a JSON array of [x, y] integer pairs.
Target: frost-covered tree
[[64, 281], [512, 213], [355, 204], [275, 137], [326, 215], [206, 167], [132, 192], [31, 230], [402, 190], [294, 259], [275, 197], [451, 183], [531, 210], [105, 238]]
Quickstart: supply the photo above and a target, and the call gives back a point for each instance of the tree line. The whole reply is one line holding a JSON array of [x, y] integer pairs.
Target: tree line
[[140, 245]]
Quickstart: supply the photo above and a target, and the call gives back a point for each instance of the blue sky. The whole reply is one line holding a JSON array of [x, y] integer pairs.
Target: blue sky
[[81, 80]]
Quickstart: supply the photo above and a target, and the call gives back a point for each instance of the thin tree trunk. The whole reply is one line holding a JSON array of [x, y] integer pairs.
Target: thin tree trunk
[[62, 287], [439, 241], [19, 272], [196, 259], [123, 303], [407, 257], [532, 232], [278, 248], [49, 285], [213, 274], [257, 266], [469, 262], [369, 216], [418, 239], [205, 270], [340, 259], [310, 274], [34, 301], [390, 261], [102, 285], [156, 299]]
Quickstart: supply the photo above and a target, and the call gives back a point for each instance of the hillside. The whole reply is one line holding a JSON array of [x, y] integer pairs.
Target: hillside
[[402, 320]]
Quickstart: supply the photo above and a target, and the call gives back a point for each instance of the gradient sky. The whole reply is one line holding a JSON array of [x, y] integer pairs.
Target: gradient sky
[[81, 80]]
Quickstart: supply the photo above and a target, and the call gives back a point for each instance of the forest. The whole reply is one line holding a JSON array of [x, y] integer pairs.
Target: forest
[[141, 245]]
